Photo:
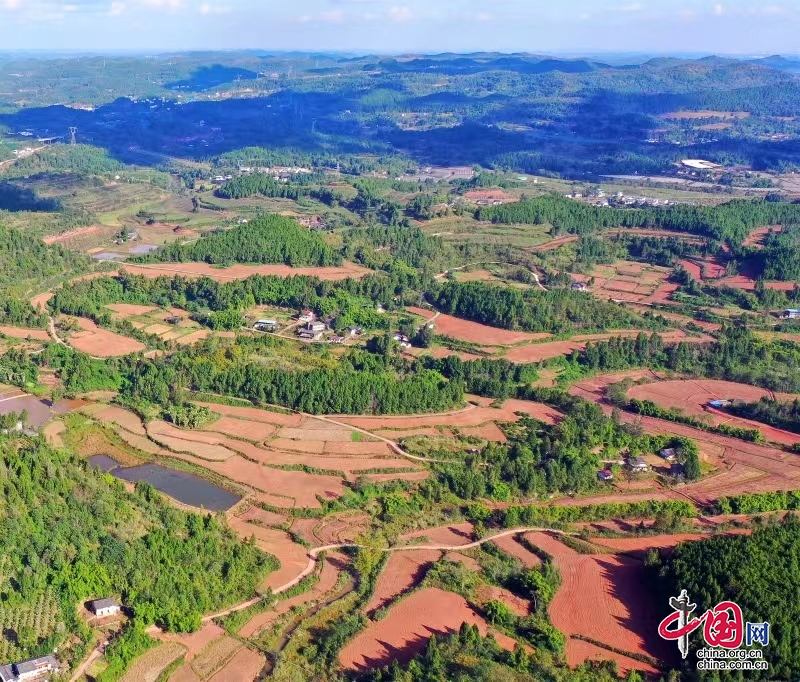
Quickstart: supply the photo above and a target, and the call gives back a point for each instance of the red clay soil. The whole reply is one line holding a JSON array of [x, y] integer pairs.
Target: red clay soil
[[129, 309], [490, 432], [452, 535], [66, 236], [194, 642], [481, 334], [240, 428], [691, 396], [425, 313], [580, 651], [554, 244], [594, 388], [604, 598], [40, 301], [519, 606], [22, 333], [262, 517], [512, 547], [756, 237], [639, 546], [749, 284], [127, 420], [255, 414], [102, 343], [334, 564], [292, 556], [237, 272], [546, 351], [403, 571], [408, 626], [439, 352], [693, 269], [285, 488], [468, 561], [490, 195], [245, 665]]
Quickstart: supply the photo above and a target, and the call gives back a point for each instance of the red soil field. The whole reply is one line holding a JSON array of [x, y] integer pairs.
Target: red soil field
[[239, 428], [234, 272], [467, 561], [292, 556], [129, 309], [245, 665], [194, 337], [604, 598], [41, 300], [102, 343], [749, 284], [453, 535], [756, 237], [21, 333], [286, 488], [490, 195], [639, 546], [580, 651], [521, 607], [408, 626], [545, 351], [194, 642], [66, 236], [693, 269], [255, 414], [692, 395], [334, 564], [127, 420], [554, 244], [490, 432], [481, 334], [510, 546], [424, 313], [262, 517], [185, 674], [403, 571]]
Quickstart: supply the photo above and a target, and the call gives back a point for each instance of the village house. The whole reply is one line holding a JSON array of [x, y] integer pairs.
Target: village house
[[605, 475], [578, 286], [336, 339], [668, 454], [266, 325], [103, 608], [355, 331], [306, 316], [791, 314], [638, 465], [33, 669]]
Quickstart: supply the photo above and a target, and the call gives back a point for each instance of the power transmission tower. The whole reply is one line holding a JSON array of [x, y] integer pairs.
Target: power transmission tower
[[72, 131]]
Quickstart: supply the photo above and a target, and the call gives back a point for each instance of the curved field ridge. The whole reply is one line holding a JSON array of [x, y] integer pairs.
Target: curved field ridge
[[604, 598], [101, 343], [407, 628]]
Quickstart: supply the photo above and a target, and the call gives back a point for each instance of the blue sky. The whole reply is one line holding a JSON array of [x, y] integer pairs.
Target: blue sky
[[749, 27]]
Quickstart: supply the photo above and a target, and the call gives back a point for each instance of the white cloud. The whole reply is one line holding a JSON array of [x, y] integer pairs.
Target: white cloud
[[207, 9], [401, 14], [116, 9], [719, 10], [632, 7]]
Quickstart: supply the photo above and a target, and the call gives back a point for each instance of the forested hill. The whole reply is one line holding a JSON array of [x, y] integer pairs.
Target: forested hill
[[268, 239], [71, 533], [27, 262], [730, 222], [557, 311], [760, 573]]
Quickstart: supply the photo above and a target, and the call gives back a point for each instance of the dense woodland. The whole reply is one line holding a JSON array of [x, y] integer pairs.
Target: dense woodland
[[758, 572], [269, 239], [73, 532], [556, 311], [730, 222]]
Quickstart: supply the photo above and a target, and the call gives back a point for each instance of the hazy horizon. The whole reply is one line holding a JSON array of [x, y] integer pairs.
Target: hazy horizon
[[571, 27]]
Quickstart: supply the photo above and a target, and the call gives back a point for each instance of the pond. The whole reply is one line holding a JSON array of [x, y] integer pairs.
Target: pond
[[39, 411], [185, 488]]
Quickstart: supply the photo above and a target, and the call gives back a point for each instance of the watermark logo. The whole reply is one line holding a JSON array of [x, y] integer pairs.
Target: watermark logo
[[724, 632]]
